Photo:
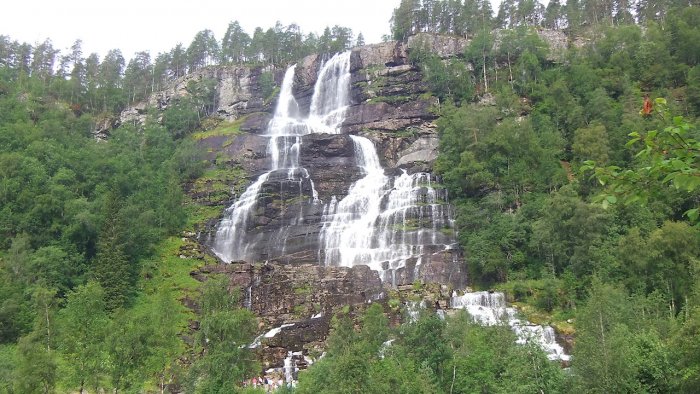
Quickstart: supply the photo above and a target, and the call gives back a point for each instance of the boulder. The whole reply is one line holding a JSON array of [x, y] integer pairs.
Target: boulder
[[424, 149]]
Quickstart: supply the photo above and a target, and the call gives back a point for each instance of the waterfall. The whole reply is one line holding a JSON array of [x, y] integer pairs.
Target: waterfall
[[383, 222], [387, 222], [290, 369], [331, 95], [285, 131], [490, 308], [231, 243]]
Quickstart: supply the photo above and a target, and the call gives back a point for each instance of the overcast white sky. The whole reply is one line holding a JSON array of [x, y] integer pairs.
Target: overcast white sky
[[158, 25]]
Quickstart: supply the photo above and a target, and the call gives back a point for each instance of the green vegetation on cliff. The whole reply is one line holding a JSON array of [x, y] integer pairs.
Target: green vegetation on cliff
[[569, 196], [554, 206]]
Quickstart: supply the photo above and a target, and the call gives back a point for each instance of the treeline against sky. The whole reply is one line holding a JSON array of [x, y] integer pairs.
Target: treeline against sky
[[468, 17], [111, 83]]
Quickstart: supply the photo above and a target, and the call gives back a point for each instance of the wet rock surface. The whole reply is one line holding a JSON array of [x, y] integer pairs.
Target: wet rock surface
[[390, 106], [295, 303]]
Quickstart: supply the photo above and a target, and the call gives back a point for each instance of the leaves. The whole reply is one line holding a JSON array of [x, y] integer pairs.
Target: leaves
[[669, 157]]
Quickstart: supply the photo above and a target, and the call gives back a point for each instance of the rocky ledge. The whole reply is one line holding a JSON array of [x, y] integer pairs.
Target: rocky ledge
[[295, 304]]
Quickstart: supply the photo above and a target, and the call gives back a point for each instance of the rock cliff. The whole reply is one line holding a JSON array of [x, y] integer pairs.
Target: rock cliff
[[238, 93], [389, 105], [285, 283]]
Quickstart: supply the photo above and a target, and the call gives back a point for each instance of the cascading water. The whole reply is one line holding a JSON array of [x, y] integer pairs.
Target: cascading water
[[386, 222], [383, 222], [490, 309], [232, 242]]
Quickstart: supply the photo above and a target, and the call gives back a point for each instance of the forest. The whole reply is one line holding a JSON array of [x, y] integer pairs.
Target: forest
[[572, 196]]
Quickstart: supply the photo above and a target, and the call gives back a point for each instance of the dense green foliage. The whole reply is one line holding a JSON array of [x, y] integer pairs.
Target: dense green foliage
[[79, 220], [224, 334], [428, 355], [567, 197], [74, 208]]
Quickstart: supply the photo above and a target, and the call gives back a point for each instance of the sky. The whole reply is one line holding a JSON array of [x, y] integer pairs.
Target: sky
[[158, 25]]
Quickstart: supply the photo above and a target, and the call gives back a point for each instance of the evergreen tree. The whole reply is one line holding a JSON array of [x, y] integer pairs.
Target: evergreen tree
[[402, 20], [111, 267], [203, 50], [553, 15], [360, 40], [138, 77], [234, 44]]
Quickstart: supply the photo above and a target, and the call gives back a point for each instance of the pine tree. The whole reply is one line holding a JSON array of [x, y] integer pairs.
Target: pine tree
[[111, 267], [360, 40]]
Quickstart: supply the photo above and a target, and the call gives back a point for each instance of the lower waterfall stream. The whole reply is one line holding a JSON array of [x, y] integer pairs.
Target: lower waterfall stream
[[489, 309]]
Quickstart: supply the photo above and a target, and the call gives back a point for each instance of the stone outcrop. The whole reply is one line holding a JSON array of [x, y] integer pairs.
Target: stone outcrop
[[379, 71], [302, 298], [442, 45], [391, 106], [103, 127], [238, 93], [385, 54], [284, 284], [299, 301]]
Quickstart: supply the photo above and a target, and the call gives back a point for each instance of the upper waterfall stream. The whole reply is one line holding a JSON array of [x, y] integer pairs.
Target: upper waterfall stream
[[386, 222]]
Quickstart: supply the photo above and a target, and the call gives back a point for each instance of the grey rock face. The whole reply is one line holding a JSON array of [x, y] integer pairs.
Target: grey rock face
[[424, 149], [285, 281], [238, 93], [304, 297], [389, 105], [442, 45], [385, 54]]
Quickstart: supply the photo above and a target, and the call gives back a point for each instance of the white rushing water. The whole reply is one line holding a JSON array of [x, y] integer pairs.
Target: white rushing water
[[285, 133], [385, 222], [490, 308], [270, 334]]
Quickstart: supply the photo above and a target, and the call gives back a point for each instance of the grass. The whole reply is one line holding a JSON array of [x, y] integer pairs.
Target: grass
[[217, 182], [435, 185], [299, 311], [304, 289], [394, 304], [166, 273], [450, 232], [176, 256], [167, 270], [273, 94], [408, 225], [198, 214], [408, 133], [222, 129], [390, 99]]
